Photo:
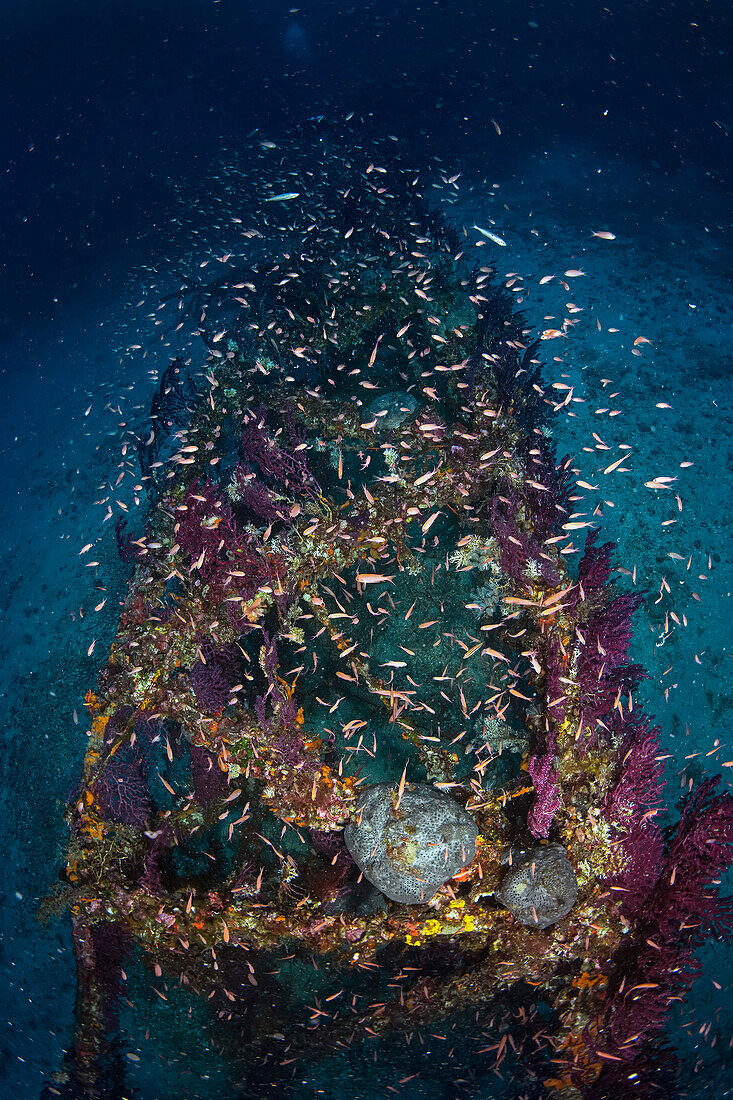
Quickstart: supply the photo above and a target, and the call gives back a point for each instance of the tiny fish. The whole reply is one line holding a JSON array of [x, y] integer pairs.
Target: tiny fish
[[165, 784], [284, 197], [616, 464], [429, 522], [490, 236], [401, 788], [373, 356], [603, 234]]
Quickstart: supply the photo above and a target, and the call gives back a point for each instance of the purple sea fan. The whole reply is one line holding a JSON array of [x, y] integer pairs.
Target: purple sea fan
[[554, 690], [150, 879], [632, 805], [251, 492], [639, 1003], [209, 781], [601, 672], [127, 549], [547, 798], [281, 701], [121, 790], [244, 878], [201, 528], [548, 506], [517, 547], [213, 677], [328, 844], [701, 849], [291, 748], [680, 911], [208, 532], [595, 565], [274, 461], [327, 881], [641, 856], [640, 784]]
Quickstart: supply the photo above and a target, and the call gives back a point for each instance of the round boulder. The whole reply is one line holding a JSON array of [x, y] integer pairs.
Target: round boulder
[[408, 850], [392, 409], [541, 887]]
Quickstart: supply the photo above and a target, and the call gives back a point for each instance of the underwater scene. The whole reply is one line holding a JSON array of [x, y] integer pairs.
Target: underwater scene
[[366, 633]]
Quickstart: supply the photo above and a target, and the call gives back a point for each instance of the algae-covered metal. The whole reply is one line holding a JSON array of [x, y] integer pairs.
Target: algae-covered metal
[[359, 461]]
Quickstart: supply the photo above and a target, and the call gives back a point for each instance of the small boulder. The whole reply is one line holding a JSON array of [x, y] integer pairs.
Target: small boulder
[[541, 887], [408, 850], [392, 409]]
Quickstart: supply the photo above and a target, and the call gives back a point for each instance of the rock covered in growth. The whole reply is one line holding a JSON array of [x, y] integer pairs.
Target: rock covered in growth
[[541, 887], [408, 850], [392, 409]]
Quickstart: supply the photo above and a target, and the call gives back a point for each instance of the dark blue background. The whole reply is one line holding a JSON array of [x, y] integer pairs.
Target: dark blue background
[[102, 101]]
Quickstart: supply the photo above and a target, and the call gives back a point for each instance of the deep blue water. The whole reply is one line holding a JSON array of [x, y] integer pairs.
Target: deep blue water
[[117, 122]]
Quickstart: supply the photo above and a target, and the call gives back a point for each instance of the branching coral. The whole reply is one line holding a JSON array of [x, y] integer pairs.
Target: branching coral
[[547, 797]]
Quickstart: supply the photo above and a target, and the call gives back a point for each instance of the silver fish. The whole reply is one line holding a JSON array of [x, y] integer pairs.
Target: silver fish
[[491, 236]]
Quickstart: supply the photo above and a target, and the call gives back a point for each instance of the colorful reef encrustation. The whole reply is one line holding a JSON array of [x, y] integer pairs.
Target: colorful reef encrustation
[[357, 607]]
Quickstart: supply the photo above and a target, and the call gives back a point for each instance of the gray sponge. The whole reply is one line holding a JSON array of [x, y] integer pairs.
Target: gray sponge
[[541, 887], [407, 852], [392, 409]]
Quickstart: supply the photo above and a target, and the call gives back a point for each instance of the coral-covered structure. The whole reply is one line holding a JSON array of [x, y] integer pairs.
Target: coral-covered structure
[[299, 626], [540, 888], [409, 841]]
